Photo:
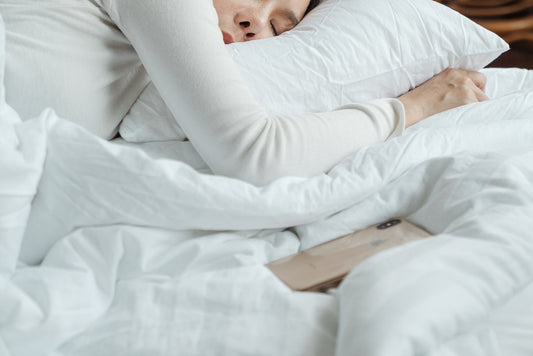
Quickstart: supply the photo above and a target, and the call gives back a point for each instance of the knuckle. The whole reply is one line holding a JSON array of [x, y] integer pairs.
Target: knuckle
[[454, 72], [464, 81]]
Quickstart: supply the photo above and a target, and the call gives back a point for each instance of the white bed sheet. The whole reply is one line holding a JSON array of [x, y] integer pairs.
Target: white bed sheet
[[143, 255]]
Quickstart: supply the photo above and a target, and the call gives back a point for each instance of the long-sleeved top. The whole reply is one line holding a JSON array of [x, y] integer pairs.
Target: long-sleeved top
[[90, 60]]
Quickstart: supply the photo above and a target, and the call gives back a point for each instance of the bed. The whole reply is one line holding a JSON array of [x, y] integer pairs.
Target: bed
[[132, 247]]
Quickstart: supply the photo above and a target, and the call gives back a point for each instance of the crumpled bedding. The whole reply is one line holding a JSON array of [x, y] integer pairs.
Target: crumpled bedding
[[110, 249]]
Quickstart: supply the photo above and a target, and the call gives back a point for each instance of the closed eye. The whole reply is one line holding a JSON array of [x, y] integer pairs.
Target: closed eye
[[273, 29]]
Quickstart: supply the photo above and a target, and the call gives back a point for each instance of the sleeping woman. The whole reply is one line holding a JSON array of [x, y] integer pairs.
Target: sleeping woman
[[90, 60]]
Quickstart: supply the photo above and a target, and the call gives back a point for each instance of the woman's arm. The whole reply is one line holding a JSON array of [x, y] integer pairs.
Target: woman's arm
[[449, 89], [181, 46]]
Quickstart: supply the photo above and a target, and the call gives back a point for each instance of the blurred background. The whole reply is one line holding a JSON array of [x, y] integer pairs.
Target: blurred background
[[511, 19]]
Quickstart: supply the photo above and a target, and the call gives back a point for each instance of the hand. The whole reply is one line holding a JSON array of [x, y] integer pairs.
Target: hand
[[447, 90]]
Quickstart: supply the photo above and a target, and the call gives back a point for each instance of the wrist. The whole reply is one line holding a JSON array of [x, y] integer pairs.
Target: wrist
[[413, 112]]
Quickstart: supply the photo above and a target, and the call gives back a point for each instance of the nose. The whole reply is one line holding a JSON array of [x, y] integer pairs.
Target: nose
[[250, 33], [254, 24]]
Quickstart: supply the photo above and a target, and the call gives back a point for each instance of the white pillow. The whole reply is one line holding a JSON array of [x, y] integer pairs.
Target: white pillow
[[149, 119], [349, 51]]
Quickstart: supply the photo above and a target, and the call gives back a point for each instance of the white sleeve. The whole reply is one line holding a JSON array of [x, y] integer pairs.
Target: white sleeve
[[181, 46]]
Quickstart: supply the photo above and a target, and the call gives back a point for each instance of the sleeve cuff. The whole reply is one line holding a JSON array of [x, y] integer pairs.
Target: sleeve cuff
[[399, 115]]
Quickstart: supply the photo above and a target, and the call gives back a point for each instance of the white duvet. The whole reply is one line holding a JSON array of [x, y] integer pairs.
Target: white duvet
[[144, 255]]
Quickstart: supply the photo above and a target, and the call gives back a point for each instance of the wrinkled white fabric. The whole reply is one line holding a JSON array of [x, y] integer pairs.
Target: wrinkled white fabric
[[68, 55], [135, 265], [85, 56], [330, 60]]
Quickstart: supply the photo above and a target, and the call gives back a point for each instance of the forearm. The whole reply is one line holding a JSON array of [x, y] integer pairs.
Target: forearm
[[306, 145]]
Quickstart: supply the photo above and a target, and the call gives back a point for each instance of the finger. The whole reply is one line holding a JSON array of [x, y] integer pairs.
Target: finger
[[480, 80], [480, 94]]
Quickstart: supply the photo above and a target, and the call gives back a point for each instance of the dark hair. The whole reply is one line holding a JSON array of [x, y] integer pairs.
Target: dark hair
[[312, 5]]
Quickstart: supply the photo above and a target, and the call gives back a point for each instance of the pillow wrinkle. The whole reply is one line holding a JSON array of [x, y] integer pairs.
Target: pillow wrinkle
[[352, 51]]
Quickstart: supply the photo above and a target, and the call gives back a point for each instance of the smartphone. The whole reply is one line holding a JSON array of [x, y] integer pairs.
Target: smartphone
[[325, 266]]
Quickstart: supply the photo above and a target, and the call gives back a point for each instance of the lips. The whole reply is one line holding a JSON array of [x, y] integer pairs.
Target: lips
[[228, 38]]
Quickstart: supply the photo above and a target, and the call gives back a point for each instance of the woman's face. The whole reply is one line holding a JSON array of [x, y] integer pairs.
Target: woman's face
[[245, 20]]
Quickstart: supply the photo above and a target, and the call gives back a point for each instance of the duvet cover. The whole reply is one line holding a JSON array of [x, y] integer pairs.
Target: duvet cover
[[110, 248]]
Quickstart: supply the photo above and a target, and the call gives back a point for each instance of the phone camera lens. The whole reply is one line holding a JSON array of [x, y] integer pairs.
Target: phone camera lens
[[389, 223]]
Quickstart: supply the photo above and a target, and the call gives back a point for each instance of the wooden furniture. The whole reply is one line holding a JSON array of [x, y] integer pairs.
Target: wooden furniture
[[510, 19]]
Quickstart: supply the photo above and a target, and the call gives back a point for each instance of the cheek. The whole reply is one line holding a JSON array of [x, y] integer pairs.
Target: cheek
[[219, 8], [301, 5], [223, 8]]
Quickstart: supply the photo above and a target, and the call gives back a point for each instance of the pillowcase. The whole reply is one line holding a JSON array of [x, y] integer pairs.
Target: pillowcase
[[149, 119], [352, 51]]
